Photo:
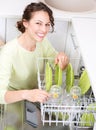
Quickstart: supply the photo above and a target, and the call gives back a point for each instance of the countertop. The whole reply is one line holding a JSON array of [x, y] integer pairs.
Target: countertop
[[85, 30]]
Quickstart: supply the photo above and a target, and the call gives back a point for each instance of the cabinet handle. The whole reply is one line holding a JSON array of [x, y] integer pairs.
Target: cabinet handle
[[74, 41]]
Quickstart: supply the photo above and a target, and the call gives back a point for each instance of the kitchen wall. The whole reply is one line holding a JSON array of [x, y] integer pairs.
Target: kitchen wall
[[10, 12], [13, 7]]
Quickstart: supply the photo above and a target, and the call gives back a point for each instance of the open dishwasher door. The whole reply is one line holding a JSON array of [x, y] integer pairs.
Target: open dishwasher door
[[85, 30]]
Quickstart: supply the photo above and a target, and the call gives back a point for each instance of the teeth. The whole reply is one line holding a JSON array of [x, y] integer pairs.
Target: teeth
[[41, 35]]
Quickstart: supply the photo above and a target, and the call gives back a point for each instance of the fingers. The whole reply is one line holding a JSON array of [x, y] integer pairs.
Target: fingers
[[38, 95], [62, 60], [43, 96]]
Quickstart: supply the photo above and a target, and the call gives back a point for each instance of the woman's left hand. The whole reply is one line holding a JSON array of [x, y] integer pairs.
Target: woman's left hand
[[62, 60]]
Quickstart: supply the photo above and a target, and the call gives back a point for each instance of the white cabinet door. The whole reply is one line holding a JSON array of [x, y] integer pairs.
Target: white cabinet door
[[2, 29], [72, 47], [11, 30], [58, 37]]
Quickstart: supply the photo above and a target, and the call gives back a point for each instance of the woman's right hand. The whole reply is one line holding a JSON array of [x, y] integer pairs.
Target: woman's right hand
[[36, 95]]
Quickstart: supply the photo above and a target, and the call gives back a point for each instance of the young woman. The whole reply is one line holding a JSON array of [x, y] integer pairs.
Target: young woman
[[18, 71]]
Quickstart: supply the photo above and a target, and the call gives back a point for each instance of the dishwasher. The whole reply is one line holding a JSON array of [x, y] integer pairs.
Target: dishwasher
[[75, 111], [63, 111]]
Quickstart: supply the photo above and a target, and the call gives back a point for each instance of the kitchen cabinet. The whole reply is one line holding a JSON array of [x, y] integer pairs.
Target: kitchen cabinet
[[59, 36], [15, 116], [2, 28], [62, 38], [8, 29], [72, 49], [11, 30]]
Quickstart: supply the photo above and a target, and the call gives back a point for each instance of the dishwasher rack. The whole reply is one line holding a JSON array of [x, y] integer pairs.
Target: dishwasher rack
[[70, 114], [66, 110]]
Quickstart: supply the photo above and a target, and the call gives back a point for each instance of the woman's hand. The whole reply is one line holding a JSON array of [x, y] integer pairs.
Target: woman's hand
[[62, 60], [36, 95]]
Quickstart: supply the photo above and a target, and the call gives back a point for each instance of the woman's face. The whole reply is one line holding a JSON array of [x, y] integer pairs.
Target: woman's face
[[38, 26]]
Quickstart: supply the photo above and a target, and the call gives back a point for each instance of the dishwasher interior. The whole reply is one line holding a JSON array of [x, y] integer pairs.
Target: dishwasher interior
[[69, 108], [74, 107]]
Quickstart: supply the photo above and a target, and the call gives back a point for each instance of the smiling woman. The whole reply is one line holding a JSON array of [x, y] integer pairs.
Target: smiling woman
[[21, 75], [18, 78]]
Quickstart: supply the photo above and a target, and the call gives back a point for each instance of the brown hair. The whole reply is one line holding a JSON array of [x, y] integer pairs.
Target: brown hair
[[31, 8]]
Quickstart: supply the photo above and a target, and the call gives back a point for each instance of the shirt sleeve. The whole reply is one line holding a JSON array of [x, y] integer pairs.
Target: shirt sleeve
[[5, 72], [48, 49]]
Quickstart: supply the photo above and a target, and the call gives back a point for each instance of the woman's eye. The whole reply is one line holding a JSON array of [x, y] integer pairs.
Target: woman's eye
[[38, 23], [48, 25]]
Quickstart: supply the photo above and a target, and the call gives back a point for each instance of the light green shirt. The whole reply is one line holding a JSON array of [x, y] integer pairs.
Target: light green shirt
[[18, 66]]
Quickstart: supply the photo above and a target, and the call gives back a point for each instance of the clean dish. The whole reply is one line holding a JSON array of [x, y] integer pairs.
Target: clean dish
[[69, 77], [84, 82]]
